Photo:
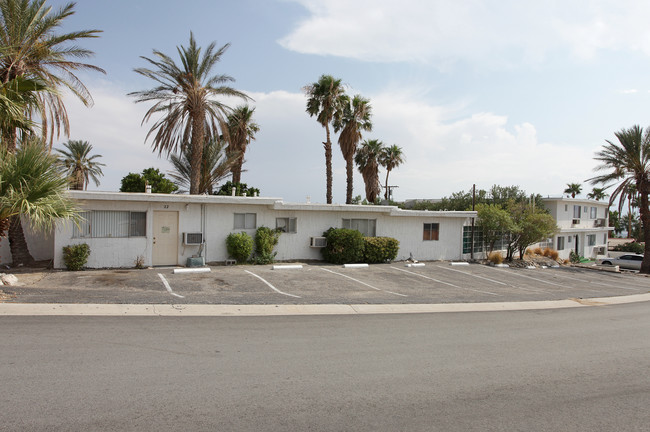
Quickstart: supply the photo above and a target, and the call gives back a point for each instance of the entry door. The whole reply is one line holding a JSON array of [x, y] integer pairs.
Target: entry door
[[165, 238]]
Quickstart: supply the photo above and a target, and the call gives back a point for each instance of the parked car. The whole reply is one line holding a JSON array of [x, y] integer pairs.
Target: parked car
[[629, 261]]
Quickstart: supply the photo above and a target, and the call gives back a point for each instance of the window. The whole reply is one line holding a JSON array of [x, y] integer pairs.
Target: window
[[367, 227], [560, 243], [593, 213], [591, 239], [245, 220], [548, 243], [286, 225], [605, 239], [467, 240], [586, 208], [431, 231], [108, 223], [566, 207], [577, 212], [569, 239]]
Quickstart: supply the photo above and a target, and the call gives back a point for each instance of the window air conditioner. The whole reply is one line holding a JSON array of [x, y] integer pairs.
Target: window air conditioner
[[575, 222], [318, 242], [192, 238], [600, 250]]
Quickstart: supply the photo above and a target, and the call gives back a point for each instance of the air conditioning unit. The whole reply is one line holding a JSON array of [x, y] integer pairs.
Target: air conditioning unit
[[600, 250], [317, 242], [192, 238], [599, 223], [575, 222]]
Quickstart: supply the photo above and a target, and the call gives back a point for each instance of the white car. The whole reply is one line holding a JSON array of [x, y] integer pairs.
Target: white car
[[629, 261]]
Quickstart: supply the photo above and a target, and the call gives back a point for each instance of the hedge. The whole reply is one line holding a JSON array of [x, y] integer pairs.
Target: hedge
[[380, 249]]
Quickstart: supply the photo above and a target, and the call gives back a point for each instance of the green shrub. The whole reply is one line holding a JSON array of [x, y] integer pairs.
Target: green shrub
[[633, 247], [380, 249], [343, 246], [239, 246], [574, 257], [265, 240], [76, 256]]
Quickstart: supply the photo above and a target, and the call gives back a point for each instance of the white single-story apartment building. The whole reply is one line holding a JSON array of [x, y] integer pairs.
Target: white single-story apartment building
[[167, 229], [583, 226]]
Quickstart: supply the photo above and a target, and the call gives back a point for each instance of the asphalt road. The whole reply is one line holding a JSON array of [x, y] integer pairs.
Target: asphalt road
[[557, 370]]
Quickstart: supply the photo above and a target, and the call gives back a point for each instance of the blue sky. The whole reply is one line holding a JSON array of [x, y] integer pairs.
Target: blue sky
[[487, 92]]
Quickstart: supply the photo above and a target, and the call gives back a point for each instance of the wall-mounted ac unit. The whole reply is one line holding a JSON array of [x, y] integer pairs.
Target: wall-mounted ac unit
[[600, 250], [599, 223], [575, 222], [317, 242], [192, 238]]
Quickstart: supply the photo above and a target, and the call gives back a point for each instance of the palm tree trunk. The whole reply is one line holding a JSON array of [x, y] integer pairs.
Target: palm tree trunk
[[236, 170], [198, 133], [645, 222], [17, 244], [349, 168], [328, 164], [386, 192]]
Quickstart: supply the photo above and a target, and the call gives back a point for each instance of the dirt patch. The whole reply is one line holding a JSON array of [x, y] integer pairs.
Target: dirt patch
[[6, 296]]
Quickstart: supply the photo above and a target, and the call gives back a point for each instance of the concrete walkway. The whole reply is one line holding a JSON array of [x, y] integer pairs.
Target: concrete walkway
[[39, 309]]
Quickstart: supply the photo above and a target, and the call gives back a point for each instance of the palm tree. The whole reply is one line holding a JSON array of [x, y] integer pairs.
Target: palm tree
[[597, 194], [356, 118], [390, 158], [241, 131], [31, 184], [367, 160], [326, 100], [33, 49], [573, 189], [217, 165], [16, 96], [79, 165], [186, 97], [628, 164]]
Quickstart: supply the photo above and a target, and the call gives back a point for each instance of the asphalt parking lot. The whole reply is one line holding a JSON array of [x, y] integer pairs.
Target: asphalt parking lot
[[435, 282]]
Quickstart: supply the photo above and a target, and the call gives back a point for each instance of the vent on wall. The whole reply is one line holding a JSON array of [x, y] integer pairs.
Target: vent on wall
[[318, 242], [192, 238]]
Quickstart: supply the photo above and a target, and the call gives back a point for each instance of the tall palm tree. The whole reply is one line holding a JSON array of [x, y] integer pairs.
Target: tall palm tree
[[31, 184], [367, 160], [627, 163], [390, 158], [356, 118], [32, 48], [16, 96], [573, 189], [79, 165], [326, 100], [597, 194], [241, 131], [186, 96], [217, 165]]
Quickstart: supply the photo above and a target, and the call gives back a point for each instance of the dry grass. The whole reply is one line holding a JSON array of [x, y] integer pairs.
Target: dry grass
[[538, 251], [495, 257]]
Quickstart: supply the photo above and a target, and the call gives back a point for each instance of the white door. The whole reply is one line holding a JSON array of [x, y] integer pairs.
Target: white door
[[165, 238]]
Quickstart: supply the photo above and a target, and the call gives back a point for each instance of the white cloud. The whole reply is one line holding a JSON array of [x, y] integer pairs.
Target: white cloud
[[495, 32], [445, 152], [629, 91]]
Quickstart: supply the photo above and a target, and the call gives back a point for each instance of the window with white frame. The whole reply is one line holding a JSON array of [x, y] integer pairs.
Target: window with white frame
[[577, 211], [591, 239], [569, 239], [111, 224], [566, 207], [245, 221], [286, 225], [560, 243], [431, 231], [593, 212], [367, 227]]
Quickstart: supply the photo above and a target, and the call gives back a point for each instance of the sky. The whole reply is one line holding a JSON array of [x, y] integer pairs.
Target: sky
[[475, 92]]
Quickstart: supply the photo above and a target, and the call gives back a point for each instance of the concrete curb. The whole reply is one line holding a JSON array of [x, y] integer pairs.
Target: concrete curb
[[27, 309]]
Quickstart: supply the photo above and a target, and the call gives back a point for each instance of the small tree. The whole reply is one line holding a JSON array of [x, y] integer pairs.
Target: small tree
[[534, 228], [152, 176], [573, 189], [494, 222], [240, 189]]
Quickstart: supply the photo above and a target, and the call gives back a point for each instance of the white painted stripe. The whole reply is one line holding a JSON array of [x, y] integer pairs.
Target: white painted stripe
[[609, 285], [167, 287], [446, 283], [362, 283], [473, 275], [271, 286], [426, 277], [528, 277]]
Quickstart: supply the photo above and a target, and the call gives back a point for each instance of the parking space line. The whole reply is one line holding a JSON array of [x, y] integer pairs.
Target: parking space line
[[598, 283], [362, 283], [167, 287], [530, 277], [271, 286], [455, 286], [473, 275]]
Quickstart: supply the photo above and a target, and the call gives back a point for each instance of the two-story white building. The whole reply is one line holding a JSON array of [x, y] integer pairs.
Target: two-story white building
[[583, 226]]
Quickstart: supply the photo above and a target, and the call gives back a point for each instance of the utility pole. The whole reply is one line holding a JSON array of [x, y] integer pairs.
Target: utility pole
[[471, 252]]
